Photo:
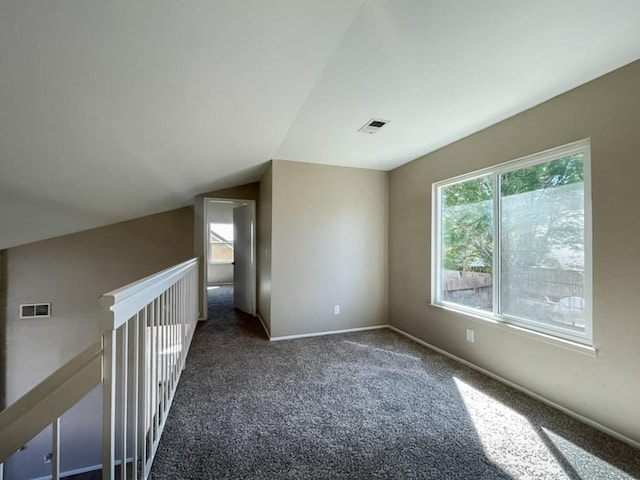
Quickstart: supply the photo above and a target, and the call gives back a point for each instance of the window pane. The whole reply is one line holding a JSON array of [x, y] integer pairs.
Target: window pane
[[221, 242], [220, 232], [542, 236], [220, 252], [467, 243]]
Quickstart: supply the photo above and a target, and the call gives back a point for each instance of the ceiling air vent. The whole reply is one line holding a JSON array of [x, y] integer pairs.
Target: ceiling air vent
[[373, 125]]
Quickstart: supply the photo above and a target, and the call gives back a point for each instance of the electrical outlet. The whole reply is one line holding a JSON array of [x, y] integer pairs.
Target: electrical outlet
[[470, 336], [336, 309]]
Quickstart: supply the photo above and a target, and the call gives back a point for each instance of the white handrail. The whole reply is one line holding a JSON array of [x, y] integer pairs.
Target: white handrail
[[122, 301], [48, 400], [147, 328]]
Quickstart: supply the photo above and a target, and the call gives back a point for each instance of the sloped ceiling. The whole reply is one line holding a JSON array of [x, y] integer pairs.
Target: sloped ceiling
[[110, 110]]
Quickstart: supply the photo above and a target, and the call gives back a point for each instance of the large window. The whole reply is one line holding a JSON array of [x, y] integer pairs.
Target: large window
[[220, 242], [512, 243]]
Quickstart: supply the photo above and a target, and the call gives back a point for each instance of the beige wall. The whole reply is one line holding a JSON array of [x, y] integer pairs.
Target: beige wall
[[603, 389], [264, 246], [3, 327], [249, 191], [71, 272], [329, 246]]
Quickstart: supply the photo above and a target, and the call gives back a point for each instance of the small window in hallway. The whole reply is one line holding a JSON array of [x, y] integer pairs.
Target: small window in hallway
[[220, 243]]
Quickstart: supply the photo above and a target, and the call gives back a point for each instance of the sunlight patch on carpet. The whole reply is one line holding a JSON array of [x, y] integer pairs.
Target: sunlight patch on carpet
[[507, 437], [583, 462]]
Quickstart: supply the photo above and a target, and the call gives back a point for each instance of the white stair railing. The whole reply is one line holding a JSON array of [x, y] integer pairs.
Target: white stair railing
[[147, 330], [47, 402], [148, 327]]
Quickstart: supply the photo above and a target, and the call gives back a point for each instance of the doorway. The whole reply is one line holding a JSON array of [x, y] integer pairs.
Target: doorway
[[229, 249]]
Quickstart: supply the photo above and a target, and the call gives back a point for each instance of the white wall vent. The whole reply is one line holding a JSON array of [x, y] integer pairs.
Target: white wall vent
[[373, 125], [35, 310]]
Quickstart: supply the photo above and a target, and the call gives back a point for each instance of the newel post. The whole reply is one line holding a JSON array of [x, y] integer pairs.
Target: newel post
[[108, 388]]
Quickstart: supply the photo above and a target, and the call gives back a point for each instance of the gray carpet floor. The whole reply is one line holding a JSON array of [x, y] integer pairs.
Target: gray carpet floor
[[367, 405]]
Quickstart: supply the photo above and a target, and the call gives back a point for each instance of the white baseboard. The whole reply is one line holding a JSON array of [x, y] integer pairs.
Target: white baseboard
[[526, 391], [78, 471], [331, 332]]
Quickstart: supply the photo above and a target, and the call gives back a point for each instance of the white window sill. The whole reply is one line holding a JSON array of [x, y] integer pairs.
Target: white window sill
[[581, 348]]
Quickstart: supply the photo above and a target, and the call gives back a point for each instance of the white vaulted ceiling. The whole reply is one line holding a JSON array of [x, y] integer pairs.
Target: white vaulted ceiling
[[110, 110]]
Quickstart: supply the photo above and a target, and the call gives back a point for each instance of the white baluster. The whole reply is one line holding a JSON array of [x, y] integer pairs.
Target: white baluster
[[135, 333], [124, 349], [108, 405], [55, 442]]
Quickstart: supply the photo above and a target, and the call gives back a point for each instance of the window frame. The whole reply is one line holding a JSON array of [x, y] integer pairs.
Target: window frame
[[210, 259], [558, 332]]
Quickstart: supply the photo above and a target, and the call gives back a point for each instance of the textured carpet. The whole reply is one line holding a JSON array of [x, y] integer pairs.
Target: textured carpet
[[369, 405]]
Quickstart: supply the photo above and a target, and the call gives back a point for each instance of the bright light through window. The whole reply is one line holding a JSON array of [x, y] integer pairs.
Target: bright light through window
[[220, 243]]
